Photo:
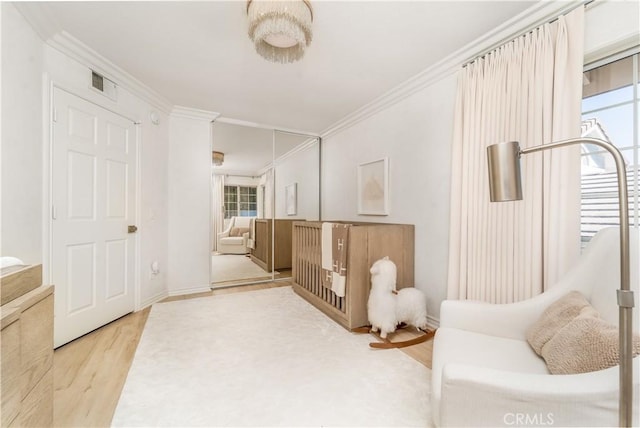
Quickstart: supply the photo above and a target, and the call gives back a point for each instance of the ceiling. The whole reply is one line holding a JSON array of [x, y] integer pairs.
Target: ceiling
[[248, 151], [198, 54]]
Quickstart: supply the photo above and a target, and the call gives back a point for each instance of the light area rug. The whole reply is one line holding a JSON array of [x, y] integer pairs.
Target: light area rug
[[232, 267], [265, 358]]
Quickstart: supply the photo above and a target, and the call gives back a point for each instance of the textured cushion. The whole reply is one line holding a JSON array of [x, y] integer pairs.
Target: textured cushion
[[586, 344], [238, 231], [554, 318]]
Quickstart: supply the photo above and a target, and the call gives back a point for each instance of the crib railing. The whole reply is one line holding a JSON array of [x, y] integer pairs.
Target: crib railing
[[307, 269], [367, 243]]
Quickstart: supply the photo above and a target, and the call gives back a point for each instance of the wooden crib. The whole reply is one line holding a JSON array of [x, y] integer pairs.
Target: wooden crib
[[368, 242]]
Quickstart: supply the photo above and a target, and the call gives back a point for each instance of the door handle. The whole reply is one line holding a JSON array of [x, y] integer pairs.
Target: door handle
[[132, 229]]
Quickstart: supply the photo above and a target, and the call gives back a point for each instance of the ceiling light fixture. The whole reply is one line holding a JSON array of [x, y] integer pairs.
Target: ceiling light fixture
[[280, 29], [217, 158]]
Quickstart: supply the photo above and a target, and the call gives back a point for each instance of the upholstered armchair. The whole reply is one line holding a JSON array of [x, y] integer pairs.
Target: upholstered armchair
[[485, 373], [234, 239]]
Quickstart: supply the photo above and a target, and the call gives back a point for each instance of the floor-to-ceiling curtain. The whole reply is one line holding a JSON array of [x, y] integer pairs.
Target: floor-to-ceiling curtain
[[528, 90], [217, 202], [266, 180]]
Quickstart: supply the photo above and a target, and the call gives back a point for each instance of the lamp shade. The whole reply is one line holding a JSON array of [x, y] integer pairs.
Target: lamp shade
[[505, 181], [217, 158]]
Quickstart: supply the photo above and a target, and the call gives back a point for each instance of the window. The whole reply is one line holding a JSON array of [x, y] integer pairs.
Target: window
[[610, 111], [240, 201]]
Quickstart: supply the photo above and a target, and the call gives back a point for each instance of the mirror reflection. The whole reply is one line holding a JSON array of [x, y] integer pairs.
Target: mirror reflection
[[262, 181], [242, 188], [297, 172]]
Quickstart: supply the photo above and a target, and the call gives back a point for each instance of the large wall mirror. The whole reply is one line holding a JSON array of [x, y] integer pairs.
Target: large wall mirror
[[262, 180]]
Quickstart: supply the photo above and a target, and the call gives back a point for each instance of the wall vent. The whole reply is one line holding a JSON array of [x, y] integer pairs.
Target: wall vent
[[104, 85]]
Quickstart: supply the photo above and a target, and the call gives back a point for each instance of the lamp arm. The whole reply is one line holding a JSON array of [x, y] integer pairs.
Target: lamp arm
[[625, 295]]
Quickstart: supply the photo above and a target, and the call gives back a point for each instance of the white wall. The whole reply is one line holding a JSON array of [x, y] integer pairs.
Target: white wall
[[189, 205], [29, 69], [415, 134], [154, 208], [610, 26], [153, 140], [303, 168], [22, 157]]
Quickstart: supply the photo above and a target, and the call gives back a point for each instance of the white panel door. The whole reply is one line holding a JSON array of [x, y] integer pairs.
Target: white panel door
[[93, 192]]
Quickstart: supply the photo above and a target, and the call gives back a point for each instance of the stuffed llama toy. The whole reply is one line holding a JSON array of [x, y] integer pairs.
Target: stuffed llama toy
[[387, 307]]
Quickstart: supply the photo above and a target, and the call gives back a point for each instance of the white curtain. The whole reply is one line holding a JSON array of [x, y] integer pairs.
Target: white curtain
[[217, 208], [529, 90], [266, 180]]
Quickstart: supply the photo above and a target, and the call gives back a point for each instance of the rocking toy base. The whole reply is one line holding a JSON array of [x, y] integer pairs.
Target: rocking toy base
[[388, 344]]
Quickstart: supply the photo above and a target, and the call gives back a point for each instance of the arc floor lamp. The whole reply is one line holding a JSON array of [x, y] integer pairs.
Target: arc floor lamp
[[505, 184]]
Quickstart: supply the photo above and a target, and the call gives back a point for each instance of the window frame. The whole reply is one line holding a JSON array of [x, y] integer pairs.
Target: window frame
[[238, 211], [632, 169]]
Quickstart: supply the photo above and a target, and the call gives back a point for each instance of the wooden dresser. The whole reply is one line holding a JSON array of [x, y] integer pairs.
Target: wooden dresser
[[26, 344], [261, 254]]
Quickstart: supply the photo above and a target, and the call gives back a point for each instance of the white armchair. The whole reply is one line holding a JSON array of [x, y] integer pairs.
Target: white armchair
[[486, 374], [234, 239]]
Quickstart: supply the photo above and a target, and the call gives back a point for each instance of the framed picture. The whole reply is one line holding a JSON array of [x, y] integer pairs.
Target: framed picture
[[373, 187], [291, 198]]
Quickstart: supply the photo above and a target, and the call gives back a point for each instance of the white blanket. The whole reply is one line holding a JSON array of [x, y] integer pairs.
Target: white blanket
[[337, 272], [327, 246], [13, 261]]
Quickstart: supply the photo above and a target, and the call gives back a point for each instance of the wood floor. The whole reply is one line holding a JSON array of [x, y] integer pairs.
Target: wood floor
[[89, 373]]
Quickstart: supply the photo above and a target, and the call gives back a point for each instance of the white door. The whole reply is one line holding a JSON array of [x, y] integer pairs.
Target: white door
[[93, 194]]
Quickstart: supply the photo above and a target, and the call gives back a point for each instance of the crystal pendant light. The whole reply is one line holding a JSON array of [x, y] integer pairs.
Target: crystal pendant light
[[280, 29]]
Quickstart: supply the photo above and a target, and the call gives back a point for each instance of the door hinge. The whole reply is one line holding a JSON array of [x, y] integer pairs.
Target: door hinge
[[54, 214], [55, 115]]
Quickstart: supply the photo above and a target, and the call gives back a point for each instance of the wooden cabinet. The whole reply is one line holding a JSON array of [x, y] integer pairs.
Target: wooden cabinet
[[27, 352], [261, 254]]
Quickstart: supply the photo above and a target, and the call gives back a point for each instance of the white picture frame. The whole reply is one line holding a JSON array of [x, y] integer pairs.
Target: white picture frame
[[291, 198], [373, 187]]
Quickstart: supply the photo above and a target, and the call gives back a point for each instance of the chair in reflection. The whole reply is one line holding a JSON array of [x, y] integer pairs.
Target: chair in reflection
[[234, 239]]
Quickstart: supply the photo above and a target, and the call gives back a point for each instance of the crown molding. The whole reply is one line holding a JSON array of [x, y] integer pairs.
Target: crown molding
[[304, 146], [262, 171], [77, 50], [49, 30], [531, 18], [240, 122], [297, 149], [194, 113]]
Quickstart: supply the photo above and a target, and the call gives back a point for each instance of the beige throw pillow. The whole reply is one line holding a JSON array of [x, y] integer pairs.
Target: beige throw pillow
[[238, 231], [554, 318], [586, 344]]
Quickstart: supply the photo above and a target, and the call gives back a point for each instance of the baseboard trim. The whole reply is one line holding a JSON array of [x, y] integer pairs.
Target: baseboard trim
[[153, 299], [433, 322], [187, 291]]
